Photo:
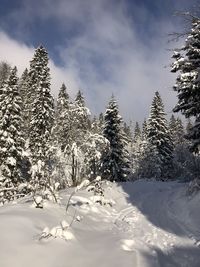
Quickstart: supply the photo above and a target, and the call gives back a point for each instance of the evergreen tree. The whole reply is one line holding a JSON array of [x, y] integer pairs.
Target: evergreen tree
[[62, 139], [62, 126], [187, 61], [137, 132], [42, 117], [79, 99], [23, 85], [38, 65], [189, 126], [144, 130], [5, 69], [115, 160], [24, 89], [180, 133], [172, 128], [81, 114], [95, 126], [128, 133], [11, 141], [160, 144], [101, 120], [176, 131]]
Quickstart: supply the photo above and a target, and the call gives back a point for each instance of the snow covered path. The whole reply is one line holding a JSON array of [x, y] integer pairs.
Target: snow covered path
[[147, 224], [158, 225]]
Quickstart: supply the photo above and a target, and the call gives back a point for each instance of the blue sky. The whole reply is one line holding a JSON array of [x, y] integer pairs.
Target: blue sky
[[98, 46]]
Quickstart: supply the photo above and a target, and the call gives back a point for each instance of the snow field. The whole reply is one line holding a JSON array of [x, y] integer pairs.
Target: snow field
[[145, 223]]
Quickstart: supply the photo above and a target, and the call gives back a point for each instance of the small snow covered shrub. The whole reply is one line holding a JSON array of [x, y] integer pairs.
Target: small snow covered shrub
[[96, 187]]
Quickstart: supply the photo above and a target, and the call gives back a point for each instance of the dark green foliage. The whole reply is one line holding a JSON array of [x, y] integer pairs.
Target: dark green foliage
[[115, 160], [5, 69], [187, 62], [158, 135], [11, 141], [62, 122], [42, 117], [137, 132]]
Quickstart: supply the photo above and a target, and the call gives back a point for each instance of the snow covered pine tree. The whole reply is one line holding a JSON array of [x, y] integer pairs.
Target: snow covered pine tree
[[11, 141], [158, 137], [187, 62], [115, 162], [62, 123], [42, 117]]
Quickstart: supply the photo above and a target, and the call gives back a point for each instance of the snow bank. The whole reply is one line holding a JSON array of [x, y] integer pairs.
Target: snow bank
[[148, 224]]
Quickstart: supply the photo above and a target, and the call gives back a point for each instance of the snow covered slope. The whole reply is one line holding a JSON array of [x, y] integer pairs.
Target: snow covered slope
[[144, 223]]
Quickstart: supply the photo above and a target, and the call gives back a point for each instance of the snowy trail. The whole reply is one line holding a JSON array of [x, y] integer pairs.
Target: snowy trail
[[152, 223], [149, 224]]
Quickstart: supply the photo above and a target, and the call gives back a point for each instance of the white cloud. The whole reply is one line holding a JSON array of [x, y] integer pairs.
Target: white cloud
[[107, 56], [111, 58]]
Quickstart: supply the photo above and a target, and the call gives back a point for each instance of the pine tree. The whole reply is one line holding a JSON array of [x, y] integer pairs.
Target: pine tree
[[24, 90], [101, 120], [95, 126], [23, 85], [62, 122], [180, 133], [42, 117], [137, 132], [144, 130], [136, 148], [172, 128], [11, 141], [189, 126], [158, 136], [5, 69], [61, 139], [187, 61], [115, 160], [81, 116], [79, 100], [38, 65]]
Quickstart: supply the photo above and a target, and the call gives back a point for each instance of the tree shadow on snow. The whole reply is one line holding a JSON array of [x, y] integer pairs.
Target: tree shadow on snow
[[176, 257], [155, 201]]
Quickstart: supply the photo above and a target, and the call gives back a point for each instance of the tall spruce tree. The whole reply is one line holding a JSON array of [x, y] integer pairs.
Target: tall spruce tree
[[136, 147], [180, 132], [144, 130], [158, 135], [42, 117], [24, 93], [38, 65], [81, 113], [187, 62], [115, 163], [5, 69], [11, 141], [173, 129], [128, 132], [62, 123], [137, 132]]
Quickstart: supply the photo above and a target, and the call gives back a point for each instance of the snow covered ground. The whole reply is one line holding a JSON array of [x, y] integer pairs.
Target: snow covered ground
[[145, 223]]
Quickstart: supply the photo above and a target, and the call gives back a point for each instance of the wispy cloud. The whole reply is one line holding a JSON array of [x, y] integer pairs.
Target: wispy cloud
[[106, 50]]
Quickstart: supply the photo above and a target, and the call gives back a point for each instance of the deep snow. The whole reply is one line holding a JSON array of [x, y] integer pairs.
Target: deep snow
[[145, 223]]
